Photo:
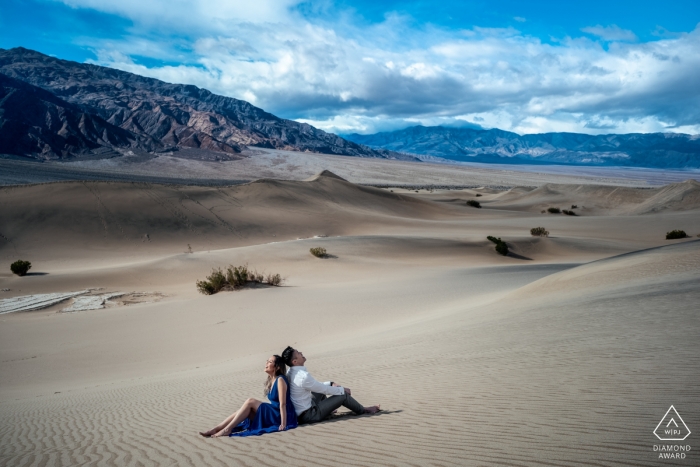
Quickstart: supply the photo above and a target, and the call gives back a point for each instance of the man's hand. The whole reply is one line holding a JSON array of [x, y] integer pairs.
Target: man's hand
[[347, 391]]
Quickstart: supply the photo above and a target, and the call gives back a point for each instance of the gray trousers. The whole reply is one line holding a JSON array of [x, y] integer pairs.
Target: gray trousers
[[322, 406]]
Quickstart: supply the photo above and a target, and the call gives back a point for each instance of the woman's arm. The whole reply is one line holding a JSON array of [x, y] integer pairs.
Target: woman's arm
[[282, 393]]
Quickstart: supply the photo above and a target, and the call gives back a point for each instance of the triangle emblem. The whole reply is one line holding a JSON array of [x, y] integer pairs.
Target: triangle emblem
[[672, 427]]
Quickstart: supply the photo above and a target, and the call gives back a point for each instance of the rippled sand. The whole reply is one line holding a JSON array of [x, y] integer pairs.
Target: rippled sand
[[567, 352]]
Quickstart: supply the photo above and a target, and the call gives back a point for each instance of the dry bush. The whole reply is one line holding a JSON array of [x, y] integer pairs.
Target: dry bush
[[569, 213], [501, 247], [554, 210], [539, 232], [474, 203], [20, 267], [235, 278], [274, 279], [318, 252], [674, 234]]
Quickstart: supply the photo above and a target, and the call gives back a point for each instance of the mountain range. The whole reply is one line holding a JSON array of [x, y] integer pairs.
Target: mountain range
[[59, 109], [656, 150], [53, 109]]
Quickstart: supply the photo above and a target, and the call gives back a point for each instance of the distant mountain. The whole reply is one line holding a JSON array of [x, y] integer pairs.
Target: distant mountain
[[66, 109], [657, 150]]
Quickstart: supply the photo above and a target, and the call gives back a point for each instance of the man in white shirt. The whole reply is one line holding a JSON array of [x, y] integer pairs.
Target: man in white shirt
[[310, 396]]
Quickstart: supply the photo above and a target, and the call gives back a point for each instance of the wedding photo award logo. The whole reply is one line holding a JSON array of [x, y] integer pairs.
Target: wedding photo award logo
[[672, 428]]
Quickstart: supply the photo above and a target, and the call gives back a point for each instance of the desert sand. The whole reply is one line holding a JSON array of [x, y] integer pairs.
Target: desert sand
[[566, 352]]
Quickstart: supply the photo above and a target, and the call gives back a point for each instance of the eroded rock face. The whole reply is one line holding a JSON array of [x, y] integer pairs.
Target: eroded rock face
[[123, 110]]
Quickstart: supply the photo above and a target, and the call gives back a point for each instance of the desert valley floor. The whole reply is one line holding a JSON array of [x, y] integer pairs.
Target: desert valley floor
[[568, 351]]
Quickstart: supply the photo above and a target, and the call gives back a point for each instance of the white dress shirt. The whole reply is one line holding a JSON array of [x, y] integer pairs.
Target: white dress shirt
[[302, 384]]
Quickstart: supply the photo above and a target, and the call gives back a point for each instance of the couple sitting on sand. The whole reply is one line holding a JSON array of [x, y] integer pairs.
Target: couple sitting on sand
[[295, 398]]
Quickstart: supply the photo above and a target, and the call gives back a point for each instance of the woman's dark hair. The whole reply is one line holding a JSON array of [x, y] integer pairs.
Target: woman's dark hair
[[288, 354], [280, 369]]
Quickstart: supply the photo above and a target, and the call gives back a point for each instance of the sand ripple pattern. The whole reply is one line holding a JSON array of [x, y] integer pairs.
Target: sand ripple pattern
[[564, 383]]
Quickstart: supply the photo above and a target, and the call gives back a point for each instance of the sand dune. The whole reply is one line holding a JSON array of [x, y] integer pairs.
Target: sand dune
[[566, 353], [601, 200]]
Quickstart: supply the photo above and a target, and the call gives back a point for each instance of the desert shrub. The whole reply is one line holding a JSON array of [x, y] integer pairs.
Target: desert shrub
[[478, 194], [573, 206], [474, 203], [539, 232], [554, 210], [673, 234], [569, 213], [543, 211], [237, 276], [318, 252], [213, 283], [255, 276], [20, 267], [501, 246], [205, 287], [274, 279]]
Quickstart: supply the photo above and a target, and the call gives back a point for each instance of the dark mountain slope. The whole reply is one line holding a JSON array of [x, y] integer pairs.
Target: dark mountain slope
[[660, 150], [34, 121], [162, 116]]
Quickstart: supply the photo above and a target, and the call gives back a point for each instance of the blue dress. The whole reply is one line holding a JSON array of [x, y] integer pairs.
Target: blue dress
[[268, 418]]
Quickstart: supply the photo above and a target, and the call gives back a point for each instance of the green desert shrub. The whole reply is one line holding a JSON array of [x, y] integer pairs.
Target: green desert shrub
[[674, 234], [274, 279], [213, 283], [501, 247], [318, 252], [235, 277], [539, 232], [554, 210], [20, 267], [569, 213], [474, 203], [205, 287]]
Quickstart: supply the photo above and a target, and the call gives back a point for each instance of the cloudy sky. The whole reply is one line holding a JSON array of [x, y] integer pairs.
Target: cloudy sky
[[612, 66]]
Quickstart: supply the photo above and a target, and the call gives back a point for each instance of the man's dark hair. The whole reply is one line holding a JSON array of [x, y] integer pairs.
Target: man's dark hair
[[287, 355]]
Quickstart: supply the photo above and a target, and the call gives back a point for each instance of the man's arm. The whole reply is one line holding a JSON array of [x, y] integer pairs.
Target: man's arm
[[312, 385]]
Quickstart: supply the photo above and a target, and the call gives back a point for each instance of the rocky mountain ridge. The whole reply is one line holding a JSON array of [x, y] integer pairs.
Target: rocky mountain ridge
[[654, 150], [58, 109]]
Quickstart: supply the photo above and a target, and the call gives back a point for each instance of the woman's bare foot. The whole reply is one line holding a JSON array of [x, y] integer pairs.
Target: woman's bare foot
[[372, 410], [221, 433], [208, 433]]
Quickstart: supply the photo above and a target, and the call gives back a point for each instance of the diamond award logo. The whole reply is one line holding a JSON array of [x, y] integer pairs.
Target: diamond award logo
[[672, 427]]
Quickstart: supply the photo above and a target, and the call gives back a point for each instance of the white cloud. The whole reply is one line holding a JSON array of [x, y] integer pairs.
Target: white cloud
[[611, 33], [344, 75]]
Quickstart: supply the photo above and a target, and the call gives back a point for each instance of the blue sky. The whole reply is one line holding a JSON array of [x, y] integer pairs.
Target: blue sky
[[366, 66]]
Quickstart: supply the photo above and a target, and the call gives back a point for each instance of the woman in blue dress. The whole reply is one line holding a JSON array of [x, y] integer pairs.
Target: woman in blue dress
[[256, 417]]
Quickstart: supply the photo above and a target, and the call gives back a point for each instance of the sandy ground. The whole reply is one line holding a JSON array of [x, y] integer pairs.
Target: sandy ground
[[289, 165], [566, 352]]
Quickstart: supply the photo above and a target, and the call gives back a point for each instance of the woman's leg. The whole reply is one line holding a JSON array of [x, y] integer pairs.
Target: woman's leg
[[247, 410], [220, 426]]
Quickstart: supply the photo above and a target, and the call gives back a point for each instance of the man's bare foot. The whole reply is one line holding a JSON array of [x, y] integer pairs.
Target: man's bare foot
[[372, 410]]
